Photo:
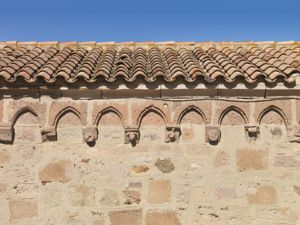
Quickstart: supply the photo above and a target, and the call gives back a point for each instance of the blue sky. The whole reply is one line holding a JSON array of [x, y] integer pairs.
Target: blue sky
[[152, 20]]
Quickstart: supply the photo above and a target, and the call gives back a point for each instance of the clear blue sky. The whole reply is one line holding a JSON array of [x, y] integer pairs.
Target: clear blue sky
[[152, 20]]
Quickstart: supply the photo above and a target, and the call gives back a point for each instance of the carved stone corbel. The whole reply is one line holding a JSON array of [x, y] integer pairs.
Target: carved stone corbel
[[6, 133], [48, 134], [90, 135], [213, 134], [252, 132], [132, 135], [294, 133], [172, 134]]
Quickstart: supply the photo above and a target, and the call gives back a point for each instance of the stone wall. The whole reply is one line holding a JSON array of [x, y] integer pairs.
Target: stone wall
[[149, 162]]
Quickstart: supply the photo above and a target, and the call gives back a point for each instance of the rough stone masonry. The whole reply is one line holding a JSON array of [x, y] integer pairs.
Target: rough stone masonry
[[173, 152]]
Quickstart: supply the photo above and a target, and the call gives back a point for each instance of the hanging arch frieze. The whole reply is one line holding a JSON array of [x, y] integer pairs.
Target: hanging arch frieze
[[249, 114]]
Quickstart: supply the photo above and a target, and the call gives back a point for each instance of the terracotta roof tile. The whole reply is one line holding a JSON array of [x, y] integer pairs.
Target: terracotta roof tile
[[93, 61]]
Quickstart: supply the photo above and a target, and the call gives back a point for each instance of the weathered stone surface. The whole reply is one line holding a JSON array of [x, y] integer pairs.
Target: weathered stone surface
[[251, 159], [140, 168], [109, 198], [296, 189], [4, 158], [287, 161], [159, 191], [3, 187], [83, 195], [99, 222], [56, 171], [23, 210], [132, 197], [221, 159], [165, 165], [262, 195], [162, 218], [225, 192], [126, 217]]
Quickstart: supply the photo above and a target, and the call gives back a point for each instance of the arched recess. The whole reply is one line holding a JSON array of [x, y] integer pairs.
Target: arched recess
[[152, 124], [272, 115], [273, 124], [151, 109], [68, 124], [232, 121], [110, 127], [26, 126], [192, 123], [233, 116]]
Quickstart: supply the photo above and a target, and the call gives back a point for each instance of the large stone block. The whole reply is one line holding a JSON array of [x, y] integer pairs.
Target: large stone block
[[126, 217], [262, 195], [162, 218], [56, 171], [251, 159], [159, 191], [23, 210]]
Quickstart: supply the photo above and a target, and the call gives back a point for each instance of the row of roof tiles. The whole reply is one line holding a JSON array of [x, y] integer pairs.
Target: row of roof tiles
[[92, 61]]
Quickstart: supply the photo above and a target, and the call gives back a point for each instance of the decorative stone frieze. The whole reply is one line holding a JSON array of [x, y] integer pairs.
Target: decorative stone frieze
[[132, 136], [252, 132], [213, 134], [172, 134]]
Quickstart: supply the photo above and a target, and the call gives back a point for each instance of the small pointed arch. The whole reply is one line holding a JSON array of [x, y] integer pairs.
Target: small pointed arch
[[107, 110], [278, 115], [151, 109], [22, 111], [191, 109], [26, 126], [63, 112], [235, 116]]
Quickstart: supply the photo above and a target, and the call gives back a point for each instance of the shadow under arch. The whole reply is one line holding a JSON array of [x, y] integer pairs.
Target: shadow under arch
[[233, 109]]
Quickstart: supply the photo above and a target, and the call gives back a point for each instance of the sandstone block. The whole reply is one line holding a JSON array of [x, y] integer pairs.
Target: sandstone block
[[132, 197], [23, 210], [140, 168], [126, 217], [263, 195], [57, 171], [162, 218], [250, 159], [159, 191]]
